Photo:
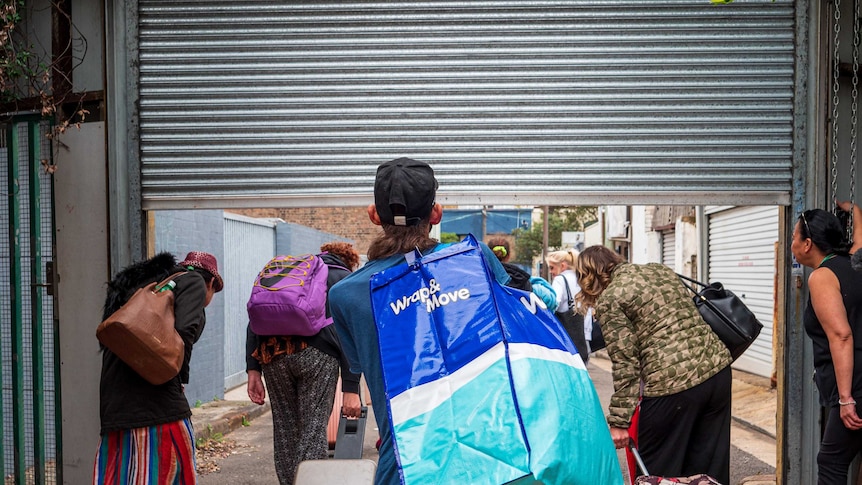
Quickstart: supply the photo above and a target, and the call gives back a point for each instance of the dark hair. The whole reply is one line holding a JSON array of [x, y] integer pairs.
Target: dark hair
[[500, 246], [824, 229], [206, 274], [401, 239]]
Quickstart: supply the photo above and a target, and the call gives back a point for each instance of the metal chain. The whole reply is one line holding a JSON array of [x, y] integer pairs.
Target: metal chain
[[835, 88], [854, 95]]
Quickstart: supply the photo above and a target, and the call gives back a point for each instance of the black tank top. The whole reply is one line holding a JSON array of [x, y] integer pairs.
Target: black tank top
[[850, 282]]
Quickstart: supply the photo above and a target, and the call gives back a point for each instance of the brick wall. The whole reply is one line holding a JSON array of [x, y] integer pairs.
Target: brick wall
[[347, 222]]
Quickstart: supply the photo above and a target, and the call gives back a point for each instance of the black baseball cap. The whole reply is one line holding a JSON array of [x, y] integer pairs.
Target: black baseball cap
[[404, 191]]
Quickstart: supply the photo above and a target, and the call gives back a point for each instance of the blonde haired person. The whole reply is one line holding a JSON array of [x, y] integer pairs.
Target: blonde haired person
[[656, 335], [561, 267]]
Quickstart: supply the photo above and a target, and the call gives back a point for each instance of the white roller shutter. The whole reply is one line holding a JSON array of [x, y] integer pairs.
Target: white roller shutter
[[668, 248], [262, 103], [742, 256]]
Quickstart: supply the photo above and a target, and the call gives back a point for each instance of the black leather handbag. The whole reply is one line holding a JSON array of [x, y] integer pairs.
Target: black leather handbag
[[597, 338], [728, 316], [573, 324]]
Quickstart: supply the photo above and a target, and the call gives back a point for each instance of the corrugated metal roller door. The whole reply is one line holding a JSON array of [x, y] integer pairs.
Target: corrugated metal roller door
[[668, 248], [742, 257], [249, 104]]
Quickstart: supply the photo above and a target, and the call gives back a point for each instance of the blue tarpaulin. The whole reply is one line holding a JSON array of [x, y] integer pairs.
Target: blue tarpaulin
[[483, 384]]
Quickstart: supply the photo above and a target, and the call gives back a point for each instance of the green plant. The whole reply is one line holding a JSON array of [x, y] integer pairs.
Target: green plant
[[198, 403], [528, 243], [35, 78], [448, 237], [245, 421]]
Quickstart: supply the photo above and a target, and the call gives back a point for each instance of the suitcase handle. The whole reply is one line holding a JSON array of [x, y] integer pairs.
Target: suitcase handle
[[634, 449], [351, 425], [362, 413]]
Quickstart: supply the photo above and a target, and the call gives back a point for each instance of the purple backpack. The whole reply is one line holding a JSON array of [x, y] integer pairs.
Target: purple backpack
[[289, 297]]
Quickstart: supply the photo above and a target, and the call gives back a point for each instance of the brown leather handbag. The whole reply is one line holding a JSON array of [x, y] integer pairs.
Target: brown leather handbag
[[142, 333]]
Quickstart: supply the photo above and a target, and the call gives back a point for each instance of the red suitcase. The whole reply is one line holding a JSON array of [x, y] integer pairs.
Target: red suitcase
[[647, 479], [335, 416]]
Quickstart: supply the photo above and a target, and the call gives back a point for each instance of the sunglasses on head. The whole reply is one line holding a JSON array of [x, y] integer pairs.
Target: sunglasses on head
[[807, 228]]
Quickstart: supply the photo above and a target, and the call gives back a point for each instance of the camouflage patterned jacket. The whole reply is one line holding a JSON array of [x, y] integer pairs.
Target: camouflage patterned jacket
[[655, 334]]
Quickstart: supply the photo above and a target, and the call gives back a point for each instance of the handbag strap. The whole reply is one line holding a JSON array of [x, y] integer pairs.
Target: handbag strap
[[166, 280], [568, 293], [683, 280]]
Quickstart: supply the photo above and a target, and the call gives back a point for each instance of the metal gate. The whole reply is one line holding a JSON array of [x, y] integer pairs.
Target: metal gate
[[30, 395], [248, 244]]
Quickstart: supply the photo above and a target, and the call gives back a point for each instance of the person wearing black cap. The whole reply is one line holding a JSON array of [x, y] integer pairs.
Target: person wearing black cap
[[147, 434], [405, 207]]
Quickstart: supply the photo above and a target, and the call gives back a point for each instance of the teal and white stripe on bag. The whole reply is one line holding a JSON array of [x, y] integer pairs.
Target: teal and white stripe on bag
[[483, 384]]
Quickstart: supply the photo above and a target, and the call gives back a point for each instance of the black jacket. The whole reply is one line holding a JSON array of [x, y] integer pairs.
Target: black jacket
[[127, 400], [520, 278], [326, 340]]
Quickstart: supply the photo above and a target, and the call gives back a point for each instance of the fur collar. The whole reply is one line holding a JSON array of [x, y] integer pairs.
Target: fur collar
[[134, 276]]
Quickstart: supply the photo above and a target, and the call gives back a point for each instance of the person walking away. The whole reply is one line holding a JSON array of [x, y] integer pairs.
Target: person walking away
[[404, 206], [657, 339], [833, 321], [146, 430], [301, 374], [520, 279]]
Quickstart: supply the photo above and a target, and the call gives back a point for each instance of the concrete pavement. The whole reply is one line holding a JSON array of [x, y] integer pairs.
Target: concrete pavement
[[753, 457]]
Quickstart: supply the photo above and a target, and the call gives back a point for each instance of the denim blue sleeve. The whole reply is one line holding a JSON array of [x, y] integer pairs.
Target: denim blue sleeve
[[341, 321], [494, 264]]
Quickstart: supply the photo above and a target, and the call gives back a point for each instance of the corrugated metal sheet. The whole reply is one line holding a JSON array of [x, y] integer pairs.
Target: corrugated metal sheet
[[248, 245], [668, 248], [667, 215], [742, 256], [251, 104]]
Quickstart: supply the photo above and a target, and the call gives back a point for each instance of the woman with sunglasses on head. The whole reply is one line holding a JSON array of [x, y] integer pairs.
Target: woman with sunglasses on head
[[833, 321]]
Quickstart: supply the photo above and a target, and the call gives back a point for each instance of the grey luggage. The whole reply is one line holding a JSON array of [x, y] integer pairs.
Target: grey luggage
[[351, 435], [342, 472]]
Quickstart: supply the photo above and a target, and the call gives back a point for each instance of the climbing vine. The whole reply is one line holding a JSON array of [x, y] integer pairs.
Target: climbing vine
[[35, 74]]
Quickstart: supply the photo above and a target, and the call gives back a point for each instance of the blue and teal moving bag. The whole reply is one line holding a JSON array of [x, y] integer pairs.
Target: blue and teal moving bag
[[483, 384]]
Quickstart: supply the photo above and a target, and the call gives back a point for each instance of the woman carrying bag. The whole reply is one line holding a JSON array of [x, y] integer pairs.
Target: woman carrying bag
[[657, 339], [561, 266]]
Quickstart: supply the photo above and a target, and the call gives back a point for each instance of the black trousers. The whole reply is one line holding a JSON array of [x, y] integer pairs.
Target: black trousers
[[688, 432], [838, 448]]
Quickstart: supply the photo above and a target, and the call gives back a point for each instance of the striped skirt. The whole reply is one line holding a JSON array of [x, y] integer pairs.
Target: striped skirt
[[157, 455]]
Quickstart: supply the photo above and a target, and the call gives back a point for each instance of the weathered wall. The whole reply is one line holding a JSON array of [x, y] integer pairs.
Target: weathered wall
[[348, 222], [82, 272]]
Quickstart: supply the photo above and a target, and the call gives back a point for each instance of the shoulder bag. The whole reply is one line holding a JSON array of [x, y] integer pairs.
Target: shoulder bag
[[597, 338], [728, 316], [573, 324], [142, 333]]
